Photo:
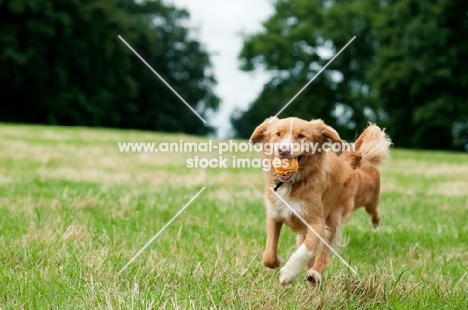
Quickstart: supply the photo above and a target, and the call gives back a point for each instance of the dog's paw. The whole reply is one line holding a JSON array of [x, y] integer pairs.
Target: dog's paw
[[314, 277], [287, 275], [271, 262]]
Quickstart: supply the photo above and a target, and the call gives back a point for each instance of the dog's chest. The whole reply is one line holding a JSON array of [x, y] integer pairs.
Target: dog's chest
[[281, 210]]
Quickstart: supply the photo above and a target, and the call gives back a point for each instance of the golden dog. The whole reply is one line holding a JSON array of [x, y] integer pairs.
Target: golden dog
[[320, 191]]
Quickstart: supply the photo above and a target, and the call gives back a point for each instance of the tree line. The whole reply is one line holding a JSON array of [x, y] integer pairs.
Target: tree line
[[406, 70], [63, 64]]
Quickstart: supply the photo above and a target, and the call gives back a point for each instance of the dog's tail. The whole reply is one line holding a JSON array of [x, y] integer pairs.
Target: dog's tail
[[373, 145]]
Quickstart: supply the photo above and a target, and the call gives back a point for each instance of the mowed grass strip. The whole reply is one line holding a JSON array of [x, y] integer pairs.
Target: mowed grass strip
[[74, 210]]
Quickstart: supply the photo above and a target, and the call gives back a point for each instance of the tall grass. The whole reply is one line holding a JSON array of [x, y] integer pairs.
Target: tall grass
[[74, 210]]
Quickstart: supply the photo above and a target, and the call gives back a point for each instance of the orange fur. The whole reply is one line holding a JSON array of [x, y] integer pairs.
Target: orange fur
[[367, 177], [367, 190], [321, 191]]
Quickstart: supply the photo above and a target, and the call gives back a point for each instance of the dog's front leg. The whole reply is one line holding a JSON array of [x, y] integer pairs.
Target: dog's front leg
[[303, 254], [270, 256]]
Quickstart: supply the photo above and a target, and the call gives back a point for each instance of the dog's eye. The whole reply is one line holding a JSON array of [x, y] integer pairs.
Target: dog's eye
[[300, 136], [278, 134]]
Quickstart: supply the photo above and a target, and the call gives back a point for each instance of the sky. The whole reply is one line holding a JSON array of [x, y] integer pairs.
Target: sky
[[219, 25]]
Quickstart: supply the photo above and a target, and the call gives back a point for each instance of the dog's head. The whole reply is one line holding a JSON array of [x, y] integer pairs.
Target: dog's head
[[293, 138]]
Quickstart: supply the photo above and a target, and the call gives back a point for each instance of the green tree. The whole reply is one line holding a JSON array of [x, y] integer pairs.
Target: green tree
[[62, 63], [421, 73], [407, 68], [289, 46]]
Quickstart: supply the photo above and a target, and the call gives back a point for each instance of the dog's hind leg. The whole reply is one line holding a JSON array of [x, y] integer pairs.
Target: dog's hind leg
[[371, 209], [270, 256]]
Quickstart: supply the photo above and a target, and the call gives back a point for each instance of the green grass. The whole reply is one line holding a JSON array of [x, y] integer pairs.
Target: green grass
[[74, 210]]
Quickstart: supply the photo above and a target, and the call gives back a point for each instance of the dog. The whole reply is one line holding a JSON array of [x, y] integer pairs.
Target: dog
[[320, 191]]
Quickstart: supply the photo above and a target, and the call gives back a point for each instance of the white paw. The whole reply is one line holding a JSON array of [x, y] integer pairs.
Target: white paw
[[295, 265], [313, 276], [287, 275]]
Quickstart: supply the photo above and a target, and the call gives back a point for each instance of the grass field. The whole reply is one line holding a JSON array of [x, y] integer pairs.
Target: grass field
[[74, 210]]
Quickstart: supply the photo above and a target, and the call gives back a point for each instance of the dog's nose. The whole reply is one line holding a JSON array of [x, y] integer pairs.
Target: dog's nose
[[284, 149]]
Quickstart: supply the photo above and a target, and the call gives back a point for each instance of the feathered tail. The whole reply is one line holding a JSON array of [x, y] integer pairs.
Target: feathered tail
[[372, 146]]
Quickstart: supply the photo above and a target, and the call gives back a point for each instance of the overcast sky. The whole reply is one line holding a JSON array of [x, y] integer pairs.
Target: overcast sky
[[220, 24]]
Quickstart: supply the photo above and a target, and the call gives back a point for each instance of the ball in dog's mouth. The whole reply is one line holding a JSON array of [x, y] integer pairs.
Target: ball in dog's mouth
[[285, 174]]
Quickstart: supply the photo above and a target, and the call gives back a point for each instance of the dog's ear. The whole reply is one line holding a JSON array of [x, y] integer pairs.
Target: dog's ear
[[326, 132], [259, 133]]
